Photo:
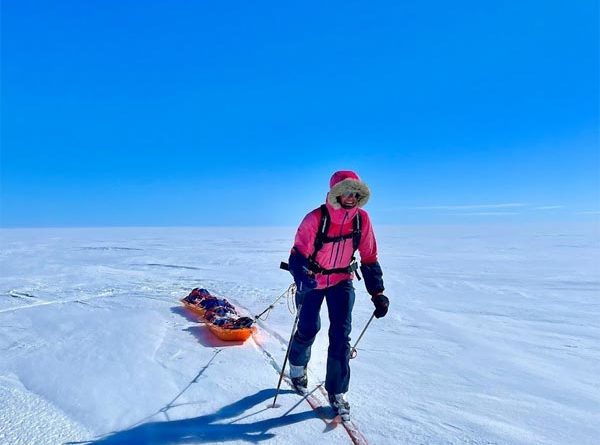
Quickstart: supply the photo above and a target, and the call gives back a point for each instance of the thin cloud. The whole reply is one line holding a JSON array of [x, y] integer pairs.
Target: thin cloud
[[549, 207], [470, 206], [591, 212]]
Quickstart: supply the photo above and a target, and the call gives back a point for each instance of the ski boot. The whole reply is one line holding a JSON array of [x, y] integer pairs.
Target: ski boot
[[299, 378], [340, 405]]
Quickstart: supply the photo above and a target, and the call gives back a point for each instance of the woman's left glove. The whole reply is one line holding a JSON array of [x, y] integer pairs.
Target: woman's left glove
[[298, 265], [381, 303]]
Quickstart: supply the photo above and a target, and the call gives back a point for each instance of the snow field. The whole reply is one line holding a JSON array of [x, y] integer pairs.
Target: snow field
[[492, 338]]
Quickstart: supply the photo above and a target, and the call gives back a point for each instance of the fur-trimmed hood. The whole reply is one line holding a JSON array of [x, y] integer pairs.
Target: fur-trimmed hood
[[345, 181]]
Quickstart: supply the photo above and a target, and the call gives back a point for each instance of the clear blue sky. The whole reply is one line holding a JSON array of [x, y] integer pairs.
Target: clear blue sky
[[236, 113]]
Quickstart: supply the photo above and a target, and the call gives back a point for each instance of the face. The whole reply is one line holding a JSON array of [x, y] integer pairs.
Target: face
[[349, 200]]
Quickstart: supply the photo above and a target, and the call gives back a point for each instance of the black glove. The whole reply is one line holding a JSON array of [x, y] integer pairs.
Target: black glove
[[381, 303], [303, 277]]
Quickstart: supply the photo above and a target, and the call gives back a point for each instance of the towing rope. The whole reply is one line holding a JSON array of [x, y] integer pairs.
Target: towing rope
[[290, 292]]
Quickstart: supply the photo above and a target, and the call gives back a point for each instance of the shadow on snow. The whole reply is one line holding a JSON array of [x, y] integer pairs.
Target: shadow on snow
[[209, 428], [212, 427]]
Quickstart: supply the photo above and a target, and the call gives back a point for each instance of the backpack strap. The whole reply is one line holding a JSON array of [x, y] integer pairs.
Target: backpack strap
[[357, 232], [321, 234], [321, 238]]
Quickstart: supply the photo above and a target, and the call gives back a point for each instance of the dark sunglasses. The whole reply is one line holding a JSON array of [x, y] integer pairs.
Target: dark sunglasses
[[349, 194]]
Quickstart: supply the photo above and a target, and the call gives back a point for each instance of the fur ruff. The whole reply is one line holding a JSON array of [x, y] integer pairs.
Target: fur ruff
[[346, 186]]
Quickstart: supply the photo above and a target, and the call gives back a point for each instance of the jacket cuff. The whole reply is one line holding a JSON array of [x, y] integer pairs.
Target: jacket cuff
[[373, 276]]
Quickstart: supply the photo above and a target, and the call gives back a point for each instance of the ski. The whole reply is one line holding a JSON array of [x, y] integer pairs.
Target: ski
[[325, 412], [357, 437]]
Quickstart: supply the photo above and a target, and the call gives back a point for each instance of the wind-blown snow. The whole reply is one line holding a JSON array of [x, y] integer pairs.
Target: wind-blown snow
[[492, 338]]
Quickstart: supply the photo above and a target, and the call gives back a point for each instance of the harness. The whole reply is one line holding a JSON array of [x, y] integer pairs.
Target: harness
[[322, 238]]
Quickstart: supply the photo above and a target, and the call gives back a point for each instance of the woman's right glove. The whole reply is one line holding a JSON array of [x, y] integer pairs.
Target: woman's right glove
[[303, 277], [382, 303]]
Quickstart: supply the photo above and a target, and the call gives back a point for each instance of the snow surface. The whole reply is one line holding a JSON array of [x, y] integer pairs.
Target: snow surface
[[493, 337]]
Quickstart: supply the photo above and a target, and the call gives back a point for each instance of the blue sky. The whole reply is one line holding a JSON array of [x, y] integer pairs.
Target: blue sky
[[124, 113]]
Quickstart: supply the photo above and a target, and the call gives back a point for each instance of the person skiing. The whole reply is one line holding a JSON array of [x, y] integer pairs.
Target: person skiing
[[323, 265]]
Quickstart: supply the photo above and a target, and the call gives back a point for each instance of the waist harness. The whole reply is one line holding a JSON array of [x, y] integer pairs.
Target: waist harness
[[321, 238]]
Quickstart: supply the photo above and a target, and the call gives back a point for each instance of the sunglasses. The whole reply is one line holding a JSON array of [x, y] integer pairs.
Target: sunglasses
[[351, 194]]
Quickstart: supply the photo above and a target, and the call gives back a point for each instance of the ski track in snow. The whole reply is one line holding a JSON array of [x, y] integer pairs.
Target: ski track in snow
[[46, 303], [492, 338]]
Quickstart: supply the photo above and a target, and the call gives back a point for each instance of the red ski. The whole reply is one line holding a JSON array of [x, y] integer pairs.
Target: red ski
[[358, 438]]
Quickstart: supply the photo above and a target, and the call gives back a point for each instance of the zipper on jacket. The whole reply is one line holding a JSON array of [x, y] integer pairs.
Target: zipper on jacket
[[337, 251]]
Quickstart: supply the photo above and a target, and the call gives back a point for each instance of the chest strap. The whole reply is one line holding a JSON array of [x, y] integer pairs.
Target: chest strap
[[321, 238]]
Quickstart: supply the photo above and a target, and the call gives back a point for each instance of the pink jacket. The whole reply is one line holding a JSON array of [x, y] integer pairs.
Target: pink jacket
[[336, 254]]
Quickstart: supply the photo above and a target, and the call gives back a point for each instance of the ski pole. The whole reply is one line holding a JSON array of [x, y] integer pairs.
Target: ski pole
[[287, 353], [353, 351]]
